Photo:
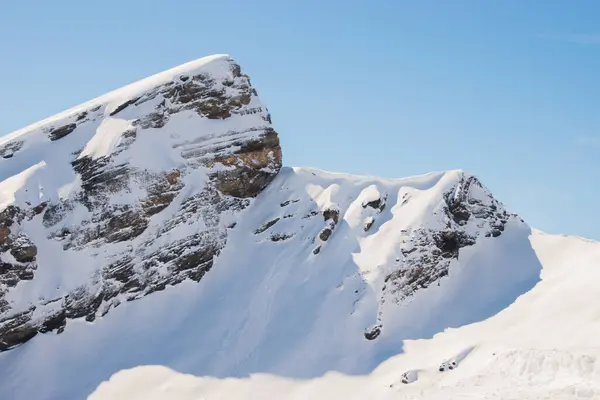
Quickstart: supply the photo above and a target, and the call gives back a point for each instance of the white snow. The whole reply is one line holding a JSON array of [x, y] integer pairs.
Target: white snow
[[546, 345], [297, 320], [215, 64], [106, 139], [10, 187]]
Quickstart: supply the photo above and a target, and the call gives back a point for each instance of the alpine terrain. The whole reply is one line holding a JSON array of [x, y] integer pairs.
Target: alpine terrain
[[152, 246]]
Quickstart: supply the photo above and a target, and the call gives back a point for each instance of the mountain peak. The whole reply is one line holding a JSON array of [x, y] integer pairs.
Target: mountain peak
[[217, 65], [147, 174]]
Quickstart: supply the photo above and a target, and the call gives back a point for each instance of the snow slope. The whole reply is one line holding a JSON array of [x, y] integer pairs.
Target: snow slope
[[272, 305], [546, 345]]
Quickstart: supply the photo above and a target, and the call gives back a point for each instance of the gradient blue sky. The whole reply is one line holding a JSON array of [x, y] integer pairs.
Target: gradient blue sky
[[507, 90]]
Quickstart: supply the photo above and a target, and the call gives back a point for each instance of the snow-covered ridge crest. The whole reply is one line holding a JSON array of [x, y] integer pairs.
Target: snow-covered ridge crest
[[116, 97], [126, 194]]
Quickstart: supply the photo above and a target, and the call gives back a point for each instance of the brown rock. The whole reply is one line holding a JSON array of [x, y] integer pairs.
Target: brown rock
[[279, 237], [4, 232], [24, 254]]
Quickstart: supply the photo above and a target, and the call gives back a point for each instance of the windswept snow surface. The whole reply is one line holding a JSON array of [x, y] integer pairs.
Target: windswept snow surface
[[273, 307], [546, 345]]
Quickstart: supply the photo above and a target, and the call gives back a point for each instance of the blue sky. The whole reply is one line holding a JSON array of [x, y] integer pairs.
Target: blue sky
[[507, 90]]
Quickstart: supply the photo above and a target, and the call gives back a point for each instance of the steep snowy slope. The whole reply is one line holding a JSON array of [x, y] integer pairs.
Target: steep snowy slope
[[544, 346], [272, 303]]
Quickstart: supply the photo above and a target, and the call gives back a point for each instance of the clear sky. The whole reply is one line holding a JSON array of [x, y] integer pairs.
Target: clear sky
[[507, 90]]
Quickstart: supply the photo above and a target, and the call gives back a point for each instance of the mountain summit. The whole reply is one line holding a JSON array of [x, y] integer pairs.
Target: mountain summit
[[156, 225], [126, 194]]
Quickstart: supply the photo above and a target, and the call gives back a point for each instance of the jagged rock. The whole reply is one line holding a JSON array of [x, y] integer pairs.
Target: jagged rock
[[424, 264], [125, 226], [16, 329], [23, 250], [56, 323], [37, 210], [10, 215], [124, 106], [20, 248], [4, 232], [449, 242], [331, 214], [55, 213], [252, 174], [378, 204], [59, 133], [266, 226], [373, 333], [9, 149], [279, 237]]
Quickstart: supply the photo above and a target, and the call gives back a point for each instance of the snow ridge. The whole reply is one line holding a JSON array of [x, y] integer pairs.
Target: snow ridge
[[212, 64]]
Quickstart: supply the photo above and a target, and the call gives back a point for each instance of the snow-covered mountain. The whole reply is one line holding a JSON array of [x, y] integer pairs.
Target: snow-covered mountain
[[156, 226]]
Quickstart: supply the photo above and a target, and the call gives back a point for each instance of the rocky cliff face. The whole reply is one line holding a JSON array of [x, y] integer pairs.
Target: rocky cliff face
[[127, 194]]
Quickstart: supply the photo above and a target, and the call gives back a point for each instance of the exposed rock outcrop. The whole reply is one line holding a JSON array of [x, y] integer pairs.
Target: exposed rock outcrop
[[469, 216], [59, 133], [9, 149]]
